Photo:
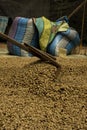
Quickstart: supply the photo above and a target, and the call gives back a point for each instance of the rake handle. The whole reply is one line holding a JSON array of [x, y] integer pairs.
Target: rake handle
[[42, 55], [77, 9], [29, 48]]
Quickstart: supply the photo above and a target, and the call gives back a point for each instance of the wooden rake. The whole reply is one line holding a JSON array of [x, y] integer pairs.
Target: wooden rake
[[36, 52]]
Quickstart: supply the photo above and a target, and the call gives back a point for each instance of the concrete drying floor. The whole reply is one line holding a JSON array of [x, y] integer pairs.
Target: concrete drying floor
[[34, 95]]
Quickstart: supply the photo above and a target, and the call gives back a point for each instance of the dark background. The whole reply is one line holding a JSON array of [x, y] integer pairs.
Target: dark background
[[52, 9]]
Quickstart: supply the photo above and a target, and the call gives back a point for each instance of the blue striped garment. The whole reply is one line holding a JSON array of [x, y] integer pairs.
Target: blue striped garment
[[23, 30], [68, 40], [11, 34]]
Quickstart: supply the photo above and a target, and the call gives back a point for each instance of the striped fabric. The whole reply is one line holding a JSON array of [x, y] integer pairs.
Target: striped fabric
[[68, 40], [11, 34], [3, 23], [42, 34], [23, 31]]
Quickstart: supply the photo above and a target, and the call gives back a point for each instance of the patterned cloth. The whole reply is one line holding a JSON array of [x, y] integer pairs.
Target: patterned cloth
[[43, 34], [48, 30], [12, 32], [23, 31], [68, 40], [3, 23]]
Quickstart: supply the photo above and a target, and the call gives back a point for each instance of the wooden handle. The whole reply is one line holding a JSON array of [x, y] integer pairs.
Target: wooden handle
[[42, 55], [77, 9], [29, 48]]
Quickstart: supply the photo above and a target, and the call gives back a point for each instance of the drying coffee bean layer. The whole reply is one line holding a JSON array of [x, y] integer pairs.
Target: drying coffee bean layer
[[35, 95]]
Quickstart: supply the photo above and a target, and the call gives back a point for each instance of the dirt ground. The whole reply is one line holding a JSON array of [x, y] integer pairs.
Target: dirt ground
[[35, 96]]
